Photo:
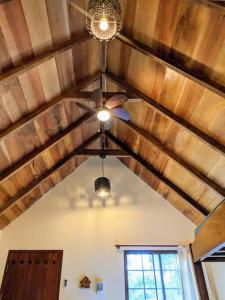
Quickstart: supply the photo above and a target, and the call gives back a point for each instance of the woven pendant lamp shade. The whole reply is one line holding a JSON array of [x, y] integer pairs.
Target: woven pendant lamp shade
[[102, 187], [99, 10]]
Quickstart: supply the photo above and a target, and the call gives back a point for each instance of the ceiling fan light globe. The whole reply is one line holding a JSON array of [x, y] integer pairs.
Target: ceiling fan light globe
[[104, 24], [103, 115]]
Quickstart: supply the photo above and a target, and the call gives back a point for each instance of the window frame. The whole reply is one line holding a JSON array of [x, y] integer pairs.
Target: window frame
[[127, 252]]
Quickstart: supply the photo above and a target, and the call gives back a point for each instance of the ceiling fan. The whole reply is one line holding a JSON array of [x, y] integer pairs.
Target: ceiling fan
[[106, 109]]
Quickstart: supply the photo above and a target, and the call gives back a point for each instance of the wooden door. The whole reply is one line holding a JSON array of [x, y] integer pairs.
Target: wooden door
[[32, 275]]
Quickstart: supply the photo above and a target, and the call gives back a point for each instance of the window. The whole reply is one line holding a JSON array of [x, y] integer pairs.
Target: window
[[152, 275]]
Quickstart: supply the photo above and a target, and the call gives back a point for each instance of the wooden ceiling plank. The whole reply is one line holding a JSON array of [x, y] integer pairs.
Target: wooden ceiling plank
[[50, 143], [44, 108], [210, 237], [158, 175], [22, 193], [205, 138], [172, 64], [31, 63], [192, 170]]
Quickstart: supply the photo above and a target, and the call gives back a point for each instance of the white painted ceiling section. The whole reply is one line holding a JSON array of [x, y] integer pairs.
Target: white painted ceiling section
[[70, 218]]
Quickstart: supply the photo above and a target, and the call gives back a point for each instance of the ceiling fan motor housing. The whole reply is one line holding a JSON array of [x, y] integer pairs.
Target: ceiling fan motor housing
[[109, 9]]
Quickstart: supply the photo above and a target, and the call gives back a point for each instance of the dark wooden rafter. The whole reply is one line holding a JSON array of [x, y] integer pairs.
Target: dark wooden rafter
[[4, 1], [107, 152], [205, 138], [192, 170], [103, 65], [86, 96], [46, 107], [37, 182], [34, 62], [220, 5], [173, 65], [157, 174], [50, 143]]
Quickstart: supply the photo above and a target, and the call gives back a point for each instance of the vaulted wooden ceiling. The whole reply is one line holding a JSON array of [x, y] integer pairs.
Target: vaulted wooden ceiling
[[170, 55]]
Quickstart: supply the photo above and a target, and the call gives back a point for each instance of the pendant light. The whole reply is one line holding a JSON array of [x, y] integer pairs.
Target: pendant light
[[104, 19], [102, 185]]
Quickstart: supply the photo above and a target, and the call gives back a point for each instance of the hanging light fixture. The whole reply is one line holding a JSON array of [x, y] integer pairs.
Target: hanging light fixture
[[104, 19], [102, 185]]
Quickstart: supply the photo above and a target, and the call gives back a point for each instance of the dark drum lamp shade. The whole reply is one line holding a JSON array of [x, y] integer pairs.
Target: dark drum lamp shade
[[102, 187]]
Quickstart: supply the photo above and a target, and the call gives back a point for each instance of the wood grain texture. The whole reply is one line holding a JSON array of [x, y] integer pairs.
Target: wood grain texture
[[211, 235], [34, 184], [181, 31], [156, 174], [45, 51]]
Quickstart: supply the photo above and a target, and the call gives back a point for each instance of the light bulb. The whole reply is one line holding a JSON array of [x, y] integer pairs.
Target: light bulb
[[103, 193], [104, 25], [103, 115]]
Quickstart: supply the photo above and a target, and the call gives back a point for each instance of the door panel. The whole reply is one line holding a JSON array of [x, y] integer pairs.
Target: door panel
[[32, 275]]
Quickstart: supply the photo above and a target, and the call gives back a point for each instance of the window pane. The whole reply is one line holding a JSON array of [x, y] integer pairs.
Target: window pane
[[147, 262], [156, 262], [135, 279], [169, 261], [150, 295], [160, 294], [171, 279], [173, 294], [136, 295], [134, 262], [158, 279], [144, 275], [149, 279]]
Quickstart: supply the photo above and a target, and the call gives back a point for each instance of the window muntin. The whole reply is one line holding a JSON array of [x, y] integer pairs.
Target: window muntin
[[152, 275]]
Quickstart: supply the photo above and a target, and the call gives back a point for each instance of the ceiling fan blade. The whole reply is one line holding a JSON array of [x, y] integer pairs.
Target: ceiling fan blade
[[115, 101], [96, 96], [120, 113]]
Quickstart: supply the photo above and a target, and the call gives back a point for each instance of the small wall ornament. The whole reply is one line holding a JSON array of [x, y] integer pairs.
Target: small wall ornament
[[85, 283]]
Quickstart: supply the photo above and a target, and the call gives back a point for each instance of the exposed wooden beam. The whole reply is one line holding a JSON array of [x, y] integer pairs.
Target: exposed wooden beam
[[49, 105], [25, 191], [157, 174], [220, 5], [107, 152], [86, 95], [34, 62], [174, 65], [103, 65], [50, 143], [205, 138], [188, 167], [4, 1]]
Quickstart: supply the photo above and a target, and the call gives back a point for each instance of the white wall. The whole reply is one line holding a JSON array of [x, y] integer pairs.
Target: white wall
[[63, 220], [216, 280]]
